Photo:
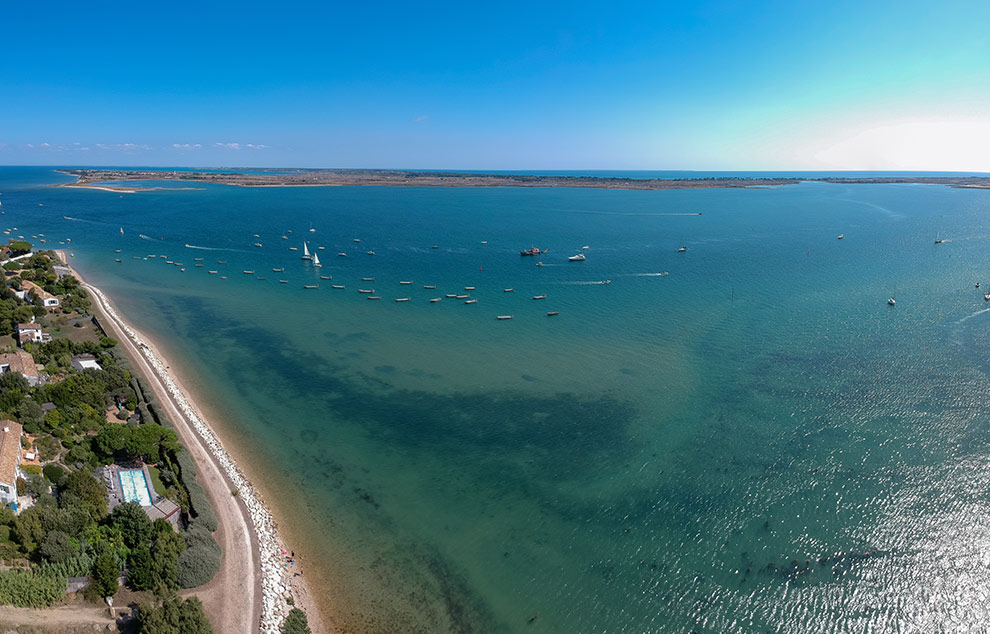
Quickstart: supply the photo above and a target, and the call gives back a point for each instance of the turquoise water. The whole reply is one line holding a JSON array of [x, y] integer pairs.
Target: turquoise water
[[754, 442], [134, 486]]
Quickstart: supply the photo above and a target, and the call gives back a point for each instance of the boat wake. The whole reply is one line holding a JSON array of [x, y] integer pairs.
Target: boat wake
[[593, 283], [144, 237], [193, 246], [660, 274], [957, 327]]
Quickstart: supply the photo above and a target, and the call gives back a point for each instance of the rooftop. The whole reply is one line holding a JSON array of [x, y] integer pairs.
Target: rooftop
[[10, 446]]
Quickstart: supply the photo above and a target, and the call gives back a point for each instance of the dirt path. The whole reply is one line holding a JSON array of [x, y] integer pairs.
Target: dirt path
[[55, 619], [233, 599]]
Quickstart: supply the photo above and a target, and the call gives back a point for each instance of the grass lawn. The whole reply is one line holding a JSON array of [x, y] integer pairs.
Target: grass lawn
[[63, 326], [156, 480]]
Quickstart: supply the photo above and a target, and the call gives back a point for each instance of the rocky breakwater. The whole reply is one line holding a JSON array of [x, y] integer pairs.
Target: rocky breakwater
[[275, 580]]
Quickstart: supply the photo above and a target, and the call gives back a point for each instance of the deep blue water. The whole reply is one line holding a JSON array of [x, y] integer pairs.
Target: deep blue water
[[755, 441]]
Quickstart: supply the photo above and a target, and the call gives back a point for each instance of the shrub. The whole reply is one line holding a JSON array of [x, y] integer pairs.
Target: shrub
[[32, 469], [201, 506], [295, 623], [54, 473], [200, 562]]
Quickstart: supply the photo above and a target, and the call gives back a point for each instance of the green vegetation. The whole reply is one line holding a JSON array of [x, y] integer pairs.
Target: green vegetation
[[296, 623], [68, 531], [172, 615]]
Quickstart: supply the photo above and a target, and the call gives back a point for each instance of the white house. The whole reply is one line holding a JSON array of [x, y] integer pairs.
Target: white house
[[31, 332], [85, 362], [10, 457]]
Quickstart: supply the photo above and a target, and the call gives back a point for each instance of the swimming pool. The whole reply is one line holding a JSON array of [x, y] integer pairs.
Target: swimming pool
[[134, 486]]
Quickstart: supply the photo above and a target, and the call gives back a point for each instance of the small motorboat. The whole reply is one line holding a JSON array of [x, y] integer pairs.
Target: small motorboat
[[311, 286], [891, 301], [262, 278], [402, 299], [507, 290], [543, 296], [435, 246], [212, 272], [585, 248], [257, 244], [577, 258], [605, 282], [293, 248], [430, 286], [471, 301], [469, 288], [977, 285], [484, 242], [117, 250], [326, 277], [336, 286], [374, 297], [405, 283], [117, 260], [283, 281], [357, 239], [986, 297], [341, 255], [553, 312], [462, 296], [451, 295], [682, 249], [503, 317], [367, 279], [366, 290], [435, 300], [218, 261], [248, 272], [371, 252], [278, 270]]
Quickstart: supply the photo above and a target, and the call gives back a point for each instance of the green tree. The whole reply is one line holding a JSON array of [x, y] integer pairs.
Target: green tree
[[140, 575], [105, 574], [20, 247], [89, 491], [133, 522], [57, 548]]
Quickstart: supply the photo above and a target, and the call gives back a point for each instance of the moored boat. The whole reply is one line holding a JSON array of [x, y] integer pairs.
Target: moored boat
[[530, 251], [682, 249], [306, 255], [553, 312], [405, 283], [430, 286], [543, 296], [367, 279], [503, 317], [471, 301], [311, 285], [366, 290], [402, 299], [435, 300], [336, 286], [326, 277], [577, 258], [891, 301], [508, 290]]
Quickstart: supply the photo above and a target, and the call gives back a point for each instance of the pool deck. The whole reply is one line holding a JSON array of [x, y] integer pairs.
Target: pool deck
[[160, 506]]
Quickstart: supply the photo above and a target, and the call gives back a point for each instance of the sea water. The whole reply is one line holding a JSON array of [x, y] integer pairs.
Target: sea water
[[740, 437]]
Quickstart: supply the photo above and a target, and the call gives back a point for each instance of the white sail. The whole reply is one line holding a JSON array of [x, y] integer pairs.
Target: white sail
[[316, 260], [305, 254]]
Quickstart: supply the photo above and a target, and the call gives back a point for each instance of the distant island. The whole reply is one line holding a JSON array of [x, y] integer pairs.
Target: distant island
[[99, 179]]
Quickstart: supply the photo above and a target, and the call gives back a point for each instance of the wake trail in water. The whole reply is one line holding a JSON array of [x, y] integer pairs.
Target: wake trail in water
[[958, 326], [660, 274], [887, 212], [592, 283]]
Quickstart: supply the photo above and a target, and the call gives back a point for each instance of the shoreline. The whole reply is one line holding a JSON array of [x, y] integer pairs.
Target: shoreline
[[97, 179], [270, 581]]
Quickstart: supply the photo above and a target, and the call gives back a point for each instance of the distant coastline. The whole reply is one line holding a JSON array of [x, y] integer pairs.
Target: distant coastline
[[97, 179]]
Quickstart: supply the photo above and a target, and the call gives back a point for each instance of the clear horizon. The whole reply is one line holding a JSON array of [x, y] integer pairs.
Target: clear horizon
[[646, 86]]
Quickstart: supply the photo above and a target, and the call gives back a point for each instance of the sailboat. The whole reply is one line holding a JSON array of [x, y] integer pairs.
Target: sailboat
[[316, 260], [121, 231], [938, 238], [306, 255]]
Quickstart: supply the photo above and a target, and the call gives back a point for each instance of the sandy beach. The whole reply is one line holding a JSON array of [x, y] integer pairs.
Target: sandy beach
[[252, 590]]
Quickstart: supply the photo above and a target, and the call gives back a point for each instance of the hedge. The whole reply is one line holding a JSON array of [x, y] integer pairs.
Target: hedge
[[200, 561], [25, 589]]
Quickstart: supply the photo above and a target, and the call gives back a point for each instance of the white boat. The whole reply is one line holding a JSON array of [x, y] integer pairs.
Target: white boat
[[430, 286], [435, 300], [366, 290], [405, 283], [543, 296], [462, 296], [508, 290], [469, 288], [682, 250], [402, 299], [841, 236], [316, 260], [471, 301], [121, 231], [257, 244], [310, 286], [306, 255], [504, 317], [891, 301], [577, 258], [341, 255], [371, 252], [326, 277], [986, 297], [336, 286], [585, 248]]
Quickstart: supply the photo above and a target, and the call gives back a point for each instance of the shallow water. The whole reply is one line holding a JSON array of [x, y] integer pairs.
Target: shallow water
[[754, 442]]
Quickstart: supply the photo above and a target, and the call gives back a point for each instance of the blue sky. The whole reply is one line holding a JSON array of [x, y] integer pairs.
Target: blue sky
[[653, 85]]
